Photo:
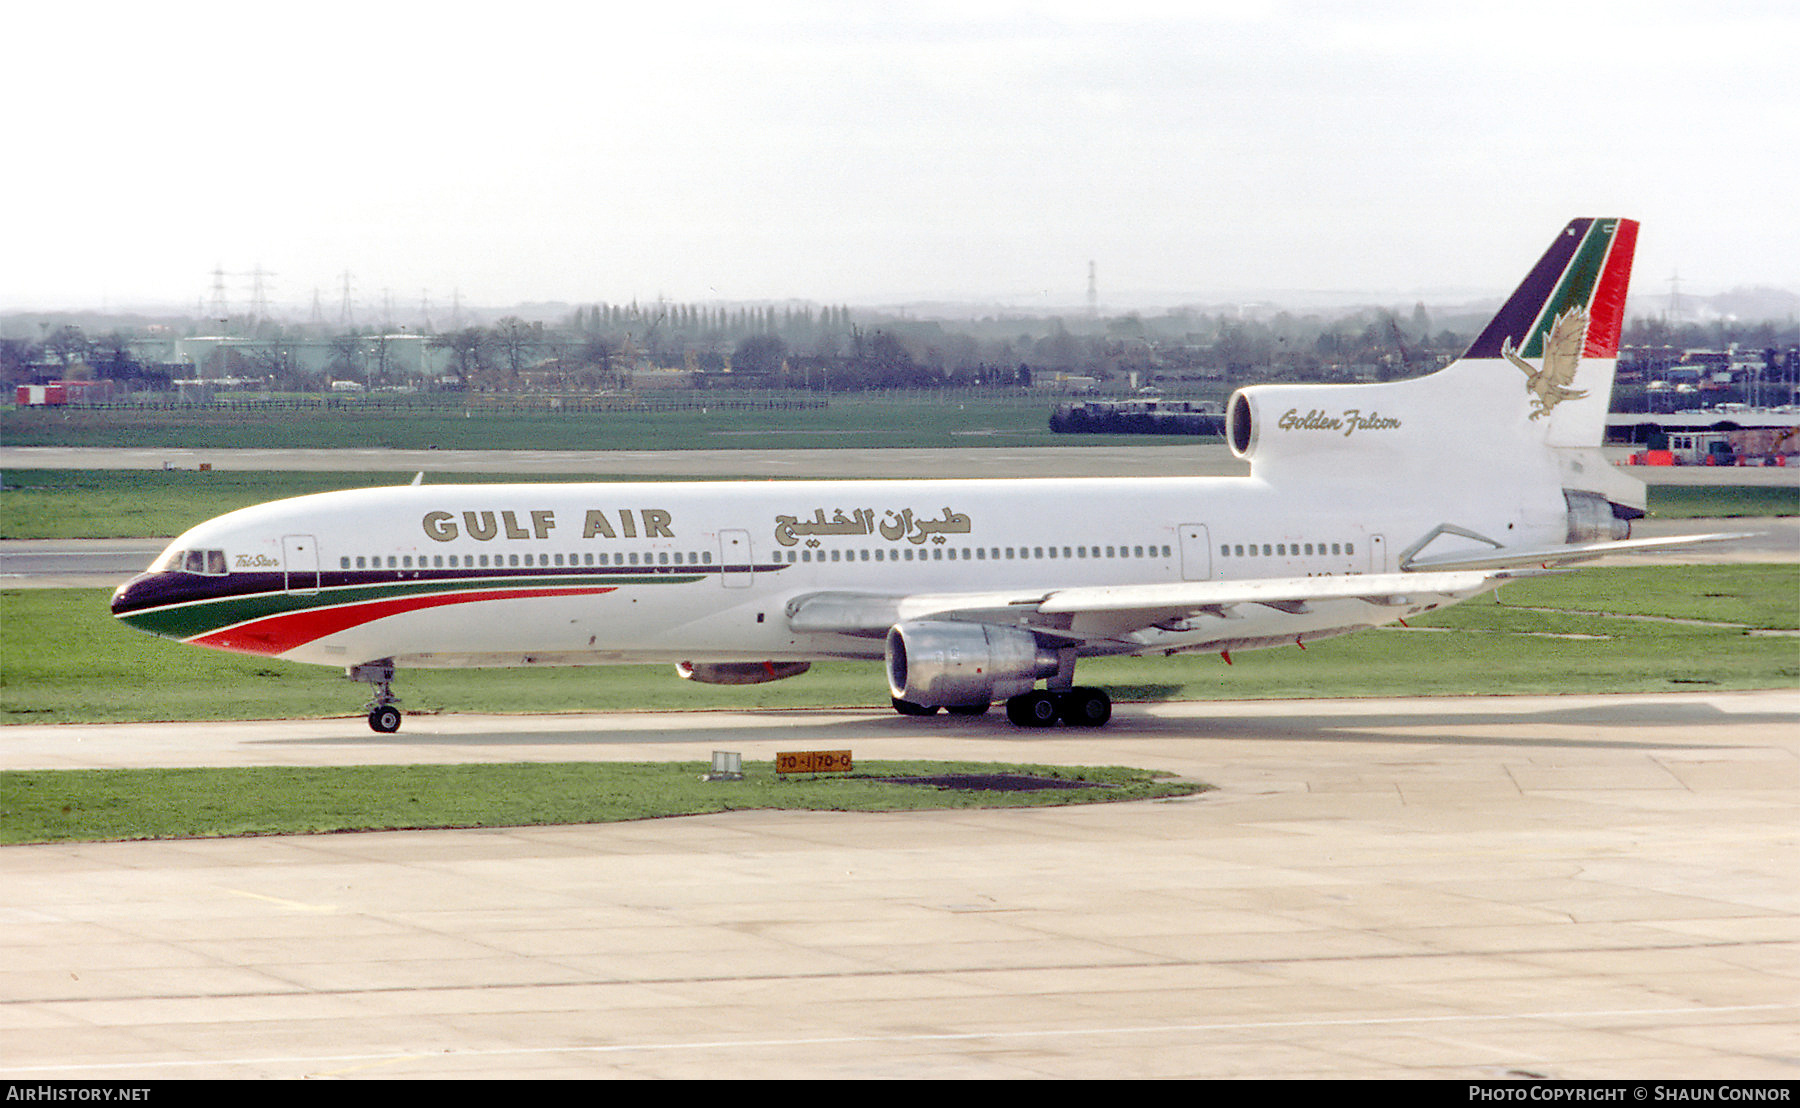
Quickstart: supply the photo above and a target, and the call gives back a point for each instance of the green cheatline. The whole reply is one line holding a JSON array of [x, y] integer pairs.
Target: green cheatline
[[186, 620]]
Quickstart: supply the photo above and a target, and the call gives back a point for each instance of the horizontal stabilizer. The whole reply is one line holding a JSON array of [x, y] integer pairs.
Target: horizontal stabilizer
[[1559, 555]]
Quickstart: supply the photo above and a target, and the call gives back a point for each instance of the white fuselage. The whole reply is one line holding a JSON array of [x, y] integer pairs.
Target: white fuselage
[[708, 570]]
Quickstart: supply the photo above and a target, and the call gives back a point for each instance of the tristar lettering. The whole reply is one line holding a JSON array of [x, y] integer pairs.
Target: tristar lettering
[[647, 523], [1348, 422]]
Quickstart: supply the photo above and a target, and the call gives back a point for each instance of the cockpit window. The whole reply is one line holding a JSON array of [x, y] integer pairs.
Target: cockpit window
[[203, 563]]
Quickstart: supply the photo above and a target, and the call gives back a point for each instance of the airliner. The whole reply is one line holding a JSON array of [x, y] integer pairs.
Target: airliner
[[1365, 504]]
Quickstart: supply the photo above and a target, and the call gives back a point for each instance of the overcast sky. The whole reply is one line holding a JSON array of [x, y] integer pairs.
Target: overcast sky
[[881, 152]]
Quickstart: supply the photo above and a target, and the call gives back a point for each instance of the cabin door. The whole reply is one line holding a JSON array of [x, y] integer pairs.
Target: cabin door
[[1196, 553], [737, 570], [300, 558]]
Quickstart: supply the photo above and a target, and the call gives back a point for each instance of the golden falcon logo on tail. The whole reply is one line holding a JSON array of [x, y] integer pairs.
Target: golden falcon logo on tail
[[1562, 357]]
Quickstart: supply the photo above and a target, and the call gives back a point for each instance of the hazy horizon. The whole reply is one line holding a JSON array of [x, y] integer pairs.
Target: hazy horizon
[[849, 153]]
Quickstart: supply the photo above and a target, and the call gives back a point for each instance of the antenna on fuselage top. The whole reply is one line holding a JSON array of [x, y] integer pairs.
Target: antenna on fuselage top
[[418, 479]]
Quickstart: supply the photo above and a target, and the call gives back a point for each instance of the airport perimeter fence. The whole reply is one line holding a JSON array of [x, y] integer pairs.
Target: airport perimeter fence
[[445, 403], [440, 404]]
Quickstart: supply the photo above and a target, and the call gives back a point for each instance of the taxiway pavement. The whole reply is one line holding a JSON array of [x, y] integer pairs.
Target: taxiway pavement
[[1573, 887]]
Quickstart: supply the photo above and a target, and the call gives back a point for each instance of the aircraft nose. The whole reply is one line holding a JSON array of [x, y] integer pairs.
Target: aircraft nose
[[121, 598], [133, 594]]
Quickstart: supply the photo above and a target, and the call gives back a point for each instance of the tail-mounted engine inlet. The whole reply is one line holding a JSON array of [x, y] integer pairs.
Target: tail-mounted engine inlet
[[1593, 518]]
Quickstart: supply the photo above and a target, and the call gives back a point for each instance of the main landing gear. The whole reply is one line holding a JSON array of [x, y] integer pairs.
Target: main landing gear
[[1077, 707], [384, 717]]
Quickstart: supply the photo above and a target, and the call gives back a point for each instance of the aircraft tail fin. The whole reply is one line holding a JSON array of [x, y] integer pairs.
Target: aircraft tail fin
[[1566, 317], [1524, 408]]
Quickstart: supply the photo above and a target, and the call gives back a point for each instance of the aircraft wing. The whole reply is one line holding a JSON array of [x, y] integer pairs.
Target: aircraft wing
[[1550, 556], [1108, 611]]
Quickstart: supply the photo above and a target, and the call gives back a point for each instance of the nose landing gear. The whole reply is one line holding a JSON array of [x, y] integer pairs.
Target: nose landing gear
[[384, 717]]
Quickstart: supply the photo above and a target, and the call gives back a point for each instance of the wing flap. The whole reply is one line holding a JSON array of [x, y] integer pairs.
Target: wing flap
[[1276, 592], [1509, 557]]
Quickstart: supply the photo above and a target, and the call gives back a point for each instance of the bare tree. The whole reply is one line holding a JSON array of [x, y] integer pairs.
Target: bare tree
[[514, 339], [469, 354]]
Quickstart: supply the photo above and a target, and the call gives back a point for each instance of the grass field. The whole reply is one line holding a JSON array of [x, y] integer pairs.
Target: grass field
[[63, 659], [104, 504], [97, 805]]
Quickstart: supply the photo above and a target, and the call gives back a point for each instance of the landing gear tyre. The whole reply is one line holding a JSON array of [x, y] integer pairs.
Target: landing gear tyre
[[1032, 709], [385, 719], [968, 709], [908, 708], [1086, 707]]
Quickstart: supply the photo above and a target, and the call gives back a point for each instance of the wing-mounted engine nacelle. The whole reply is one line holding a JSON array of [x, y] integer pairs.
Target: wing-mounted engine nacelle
[[739, 673], [1592, 518], [948, 664]]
